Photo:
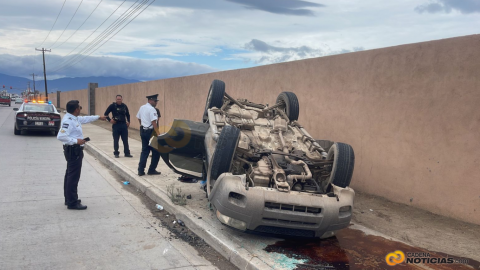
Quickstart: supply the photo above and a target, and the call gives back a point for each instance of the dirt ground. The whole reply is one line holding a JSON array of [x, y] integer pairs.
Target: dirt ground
[[411, 225]]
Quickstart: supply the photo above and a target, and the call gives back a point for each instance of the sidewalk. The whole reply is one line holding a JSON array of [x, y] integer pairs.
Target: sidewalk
[[248, 251]]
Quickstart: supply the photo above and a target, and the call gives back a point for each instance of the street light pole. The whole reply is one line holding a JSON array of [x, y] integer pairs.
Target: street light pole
[[43, 50]]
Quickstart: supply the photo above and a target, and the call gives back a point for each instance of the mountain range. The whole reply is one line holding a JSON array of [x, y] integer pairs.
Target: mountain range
[[64, 84]]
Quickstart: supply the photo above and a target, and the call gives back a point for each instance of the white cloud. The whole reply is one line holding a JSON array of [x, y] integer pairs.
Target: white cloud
[[294, 29], [125, 67], [463, 6], [263, 53]]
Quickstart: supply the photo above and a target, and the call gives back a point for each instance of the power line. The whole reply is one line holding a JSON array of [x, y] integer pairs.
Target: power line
[[92, 32], [105, 33], [54, 23], [68, 23], [110, 37], [117, 23], [80, 25]]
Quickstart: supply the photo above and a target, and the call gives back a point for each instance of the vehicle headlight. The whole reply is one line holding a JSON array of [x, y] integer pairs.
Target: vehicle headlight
[[235, 223]]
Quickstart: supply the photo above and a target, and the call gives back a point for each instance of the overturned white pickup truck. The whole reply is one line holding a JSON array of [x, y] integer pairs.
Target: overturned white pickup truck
[[264, 171]]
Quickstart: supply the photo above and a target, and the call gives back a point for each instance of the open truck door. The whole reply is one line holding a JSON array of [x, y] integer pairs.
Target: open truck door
[[182, 148]]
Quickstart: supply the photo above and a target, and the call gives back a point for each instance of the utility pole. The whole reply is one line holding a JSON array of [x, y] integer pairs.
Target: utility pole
[[28, 88], [43, 50]]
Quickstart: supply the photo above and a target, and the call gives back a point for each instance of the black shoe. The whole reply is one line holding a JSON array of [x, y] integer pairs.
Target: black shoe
[[117, 156], [141, 173], [128, 155], [153, 173], [77, 206], [79, 201]]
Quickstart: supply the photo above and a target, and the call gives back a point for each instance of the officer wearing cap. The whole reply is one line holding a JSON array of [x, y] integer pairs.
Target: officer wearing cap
[[120, 124], [148, 119], [71, 136]]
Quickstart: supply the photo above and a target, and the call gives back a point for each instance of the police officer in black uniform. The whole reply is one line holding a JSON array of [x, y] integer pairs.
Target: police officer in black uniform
[[121, 122]]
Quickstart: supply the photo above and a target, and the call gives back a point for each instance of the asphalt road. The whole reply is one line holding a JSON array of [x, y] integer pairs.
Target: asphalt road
[[38, 232]]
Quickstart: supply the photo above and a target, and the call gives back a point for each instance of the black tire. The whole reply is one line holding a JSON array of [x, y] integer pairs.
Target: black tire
[[16, 131], [214, 97], [292, 106], [226, 147], [343, 164]]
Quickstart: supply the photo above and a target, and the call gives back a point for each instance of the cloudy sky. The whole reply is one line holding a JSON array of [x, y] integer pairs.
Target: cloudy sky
[[154, 39]]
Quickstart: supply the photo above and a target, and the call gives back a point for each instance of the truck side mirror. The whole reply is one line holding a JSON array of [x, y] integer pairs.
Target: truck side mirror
[[15, 109]]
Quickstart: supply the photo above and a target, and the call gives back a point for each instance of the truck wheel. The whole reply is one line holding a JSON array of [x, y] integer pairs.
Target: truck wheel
[[343, 162], [226, 147], [215, 97], [291, 106], [16, 131]]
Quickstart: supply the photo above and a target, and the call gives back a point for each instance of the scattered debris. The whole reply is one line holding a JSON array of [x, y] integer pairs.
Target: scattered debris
[[189, 197], [199, 217], [159, 207], [180, 222], [186, 179], [126, 183], [203, 184], [371, 210]]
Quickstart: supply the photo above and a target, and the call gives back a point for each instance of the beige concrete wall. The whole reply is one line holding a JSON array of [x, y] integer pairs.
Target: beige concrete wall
[[52, 97], [410, 112], [80, 95]]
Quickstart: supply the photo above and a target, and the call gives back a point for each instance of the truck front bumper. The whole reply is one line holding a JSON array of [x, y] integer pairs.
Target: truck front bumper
[[268, 210]]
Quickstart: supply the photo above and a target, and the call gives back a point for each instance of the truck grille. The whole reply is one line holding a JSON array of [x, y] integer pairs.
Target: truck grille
[[294, 208], [289, 222], [285, 231]]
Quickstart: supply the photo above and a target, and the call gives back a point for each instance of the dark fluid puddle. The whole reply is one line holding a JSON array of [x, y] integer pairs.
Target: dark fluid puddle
[[353, 249]]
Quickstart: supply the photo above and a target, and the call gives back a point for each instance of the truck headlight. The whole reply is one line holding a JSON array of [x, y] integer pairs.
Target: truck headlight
[[235, 223]]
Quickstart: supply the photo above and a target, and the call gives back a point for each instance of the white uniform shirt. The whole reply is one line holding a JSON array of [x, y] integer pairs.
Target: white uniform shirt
[[71, 128], [147, 114]]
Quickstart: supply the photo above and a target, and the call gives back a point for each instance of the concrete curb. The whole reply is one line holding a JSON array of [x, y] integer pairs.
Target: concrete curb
[[238, 256]]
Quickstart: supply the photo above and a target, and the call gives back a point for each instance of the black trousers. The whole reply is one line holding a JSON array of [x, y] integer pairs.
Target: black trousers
[[145, 134], [120, 130], [72, 176]]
